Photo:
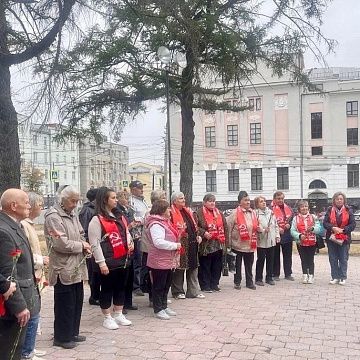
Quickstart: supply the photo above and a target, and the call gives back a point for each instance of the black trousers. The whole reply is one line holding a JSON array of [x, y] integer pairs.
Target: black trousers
[[145, 281], [94, 279], [68, 302], [287, 259], [113, 288], [262, 255], [9, 331], [248, 263], [307, 254], [161, 282], [209, 271], [137, 265], [128, 300]]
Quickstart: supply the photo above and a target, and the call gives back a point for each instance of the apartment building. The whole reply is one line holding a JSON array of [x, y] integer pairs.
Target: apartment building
[[298, 140]]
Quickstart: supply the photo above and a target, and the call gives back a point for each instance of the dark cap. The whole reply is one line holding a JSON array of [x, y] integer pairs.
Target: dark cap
[[136, 184]]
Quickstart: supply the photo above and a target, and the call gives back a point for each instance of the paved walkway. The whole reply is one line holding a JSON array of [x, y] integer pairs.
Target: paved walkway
[[287, 321]]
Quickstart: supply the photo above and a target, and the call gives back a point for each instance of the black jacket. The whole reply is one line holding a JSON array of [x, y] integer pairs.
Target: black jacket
[[4, 284], [27, 295], [85, 216]]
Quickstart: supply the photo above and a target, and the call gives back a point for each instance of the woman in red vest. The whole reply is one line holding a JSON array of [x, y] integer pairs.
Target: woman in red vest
[[339, 222], [163, 255], [243, 228], [213, 230], [304, 229], [111, 244]]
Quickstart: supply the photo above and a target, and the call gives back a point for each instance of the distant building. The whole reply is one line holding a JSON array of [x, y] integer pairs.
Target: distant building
[[151, 175], [304, 142]]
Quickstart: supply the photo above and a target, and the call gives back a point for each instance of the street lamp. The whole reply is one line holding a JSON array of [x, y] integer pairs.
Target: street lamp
[[165, 57]]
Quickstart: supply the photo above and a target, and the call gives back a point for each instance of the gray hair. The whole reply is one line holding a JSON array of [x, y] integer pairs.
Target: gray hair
[[157, 195], [176, 195], [34, 198], [339, 193], [64, 192]]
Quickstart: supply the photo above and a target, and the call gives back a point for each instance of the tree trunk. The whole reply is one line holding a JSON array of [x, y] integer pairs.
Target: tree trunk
[[9, 141]]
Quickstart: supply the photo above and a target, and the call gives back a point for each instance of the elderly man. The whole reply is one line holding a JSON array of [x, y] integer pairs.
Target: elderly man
[[16, 263], [138, 203], [67, 266]]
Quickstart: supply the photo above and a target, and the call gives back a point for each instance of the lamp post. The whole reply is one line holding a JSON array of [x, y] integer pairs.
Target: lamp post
[[165, 57]]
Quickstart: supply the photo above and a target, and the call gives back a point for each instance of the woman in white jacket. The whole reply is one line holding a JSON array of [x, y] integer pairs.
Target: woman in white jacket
[[268, 237]]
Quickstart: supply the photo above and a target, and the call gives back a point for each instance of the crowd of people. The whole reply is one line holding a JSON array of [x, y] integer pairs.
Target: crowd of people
[[126, 248]]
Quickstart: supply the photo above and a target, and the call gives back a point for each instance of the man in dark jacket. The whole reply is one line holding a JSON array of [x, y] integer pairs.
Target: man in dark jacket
[[16, 264], [85, 216]]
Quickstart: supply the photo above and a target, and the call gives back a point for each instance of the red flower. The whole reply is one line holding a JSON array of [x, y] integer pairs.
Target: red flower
[[182, 250], [15, 253], [2, 306], [45, 283]]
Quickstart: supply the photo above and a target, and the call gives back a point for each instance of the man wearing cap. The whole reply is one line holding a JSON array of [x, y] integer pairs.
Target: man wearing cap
[[138, 203]]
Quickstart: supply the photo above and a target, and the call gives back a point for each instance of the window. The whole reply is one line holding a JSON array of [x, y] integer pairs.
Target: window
[[73, 160], [46, 174], [353, 175], [256, 179], [317, 184], [232, 135], [65, 159], [57, 158], [316, 150], [65, 175], [255, 104], [316, 125], [35, 156], [45, 158], [35, 139], [255, 133], [233, 180], [352, 136], [258, 104], [210, 180], [45, 143], [282, 178], [352, 108], [73, 175], [210, 139]]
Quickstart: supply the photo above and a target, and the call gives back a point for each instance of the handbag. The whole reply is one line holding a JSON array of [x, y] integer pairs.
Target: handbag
[[320, 244], [337, 239]]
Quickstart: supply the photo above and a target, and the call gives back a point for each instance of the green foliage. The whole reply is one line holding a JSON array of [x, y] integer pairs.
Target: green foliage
[[33, 179]]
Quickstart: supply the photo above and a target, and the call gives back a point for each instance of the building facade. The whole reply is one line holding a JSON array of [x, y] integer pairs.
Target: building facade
[[298, 140]]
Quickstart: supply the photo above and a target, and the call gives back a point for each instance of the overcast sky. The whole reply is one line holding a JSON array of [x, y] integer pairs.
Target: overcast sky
[[341, 23]]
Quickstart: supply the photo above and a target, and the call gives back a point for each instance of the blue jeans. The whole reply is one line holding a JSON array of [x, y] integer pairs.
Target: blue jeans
[[29, 344], [338, 258]]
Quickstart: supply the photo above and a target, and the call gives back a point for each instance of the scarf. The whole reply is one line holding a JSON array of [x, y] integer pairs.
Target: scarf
[[279, 214], [344, 214], [243, 229], [304, 225], [178, 220], [214, 224]]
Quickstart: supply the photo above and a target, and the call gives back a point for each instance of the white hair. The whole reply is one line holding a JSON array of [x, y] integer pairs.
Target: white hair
[[64, 192], [34, 198], [176, 195]]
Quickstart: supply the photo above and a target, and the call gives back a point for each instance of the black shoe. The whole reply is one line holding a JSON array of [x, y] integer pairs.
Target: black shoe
[[276, 278], [138, 292], [65, 345], [131, 307], [259, 283], [237, 286], [216, 288], [290, 278], [93, 301], [79, 338], [251, 287], [270, 282]]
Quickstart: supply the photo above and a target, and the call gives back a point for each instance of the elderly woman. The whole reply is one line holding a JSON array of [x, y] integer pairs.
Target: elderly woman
[[36, 203], [67, 267], [213, 230], [339, 222], [243, 227], [183, 219], [268, 237]]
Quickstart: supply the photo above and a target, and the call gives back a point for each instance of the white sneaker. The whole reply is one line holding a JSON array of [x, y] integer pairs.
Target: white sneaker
[[37, 358], [305, 279], [162, 315], [334, 281], [170, 312], [342, 282], [122, 320], [110, 324], [311, 279], [168, 301], [39, 352]]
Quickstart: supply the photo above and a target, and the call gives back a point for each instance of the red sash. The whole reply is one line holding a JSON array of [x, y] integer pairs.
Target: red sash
[[214, 224], [344, 221], [112, 232], [304, 229], [243, 229], [279, 214], [178, 220]]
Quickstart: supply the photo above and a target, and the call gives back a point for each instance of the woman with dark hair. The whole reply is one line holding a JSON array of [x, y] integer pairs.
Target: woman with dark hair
[[339, 222], [213, 230], [243, 227], [111, 244], [163, 255]]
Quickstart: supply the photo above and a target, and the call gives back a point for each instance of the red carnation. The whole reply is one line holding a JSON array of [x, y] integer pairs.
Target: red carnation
[[182, 250], [15, 253], [2, 306]]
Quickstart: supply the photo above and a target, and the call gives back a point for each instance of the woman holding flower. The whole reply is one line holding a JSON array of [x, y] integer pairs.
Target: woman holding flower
[[67, 268], [112, 246]]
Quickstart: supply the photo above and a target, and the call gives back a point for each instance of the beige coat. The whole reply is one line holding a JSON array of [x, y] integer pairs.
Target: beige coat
[[234, 241], [30, 231], [66, 258]]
